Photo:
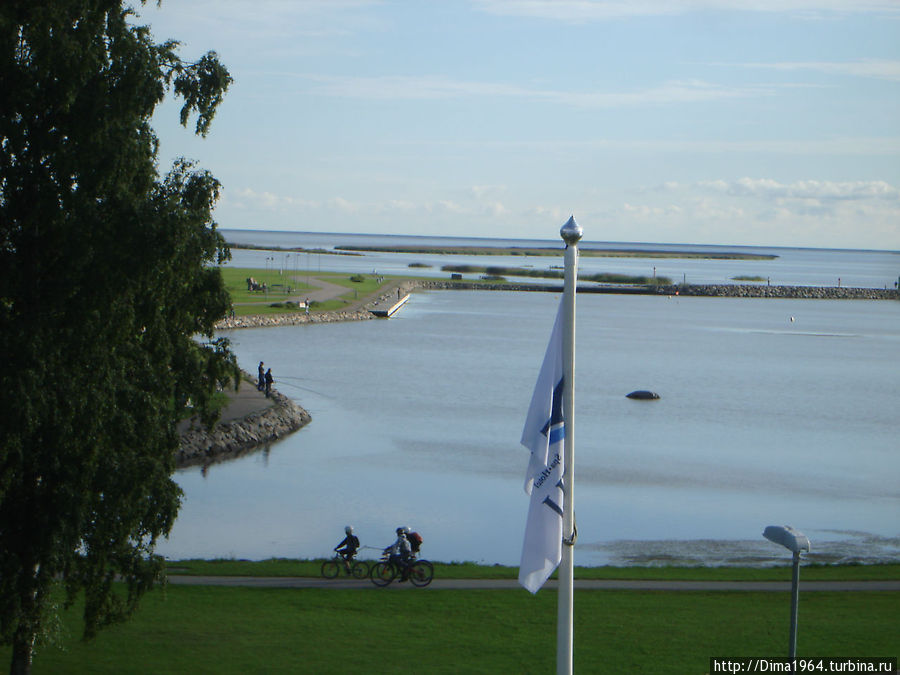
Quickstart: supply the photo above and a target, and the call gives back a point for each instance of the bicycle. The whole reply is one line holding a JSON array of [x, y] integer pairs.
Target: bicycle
[[419, 572], [359, 569]]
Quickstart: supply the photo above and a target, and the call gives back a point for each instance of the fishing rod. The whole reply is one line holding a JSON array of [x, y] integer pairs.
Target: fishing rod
[[288, 383]]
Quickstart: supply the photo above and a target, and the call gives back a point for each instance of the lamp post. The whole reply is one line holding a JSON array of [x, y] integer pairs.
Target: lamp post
[[797, 543], [286, 268]]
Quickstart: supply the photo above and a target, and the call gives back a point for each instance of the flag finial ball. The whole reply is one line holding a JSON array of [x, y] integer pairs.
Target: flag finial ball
[[571, 232]]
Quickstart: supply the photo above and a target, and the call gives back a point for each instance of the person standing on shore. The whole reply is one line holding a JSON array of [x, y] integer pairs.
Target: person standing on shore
[[269, 381], [261, 382]]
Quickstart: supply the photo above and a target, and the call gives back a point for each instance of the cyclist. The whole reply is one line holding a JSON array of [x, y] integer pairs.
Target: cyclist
[[399, 553], [348, 546]]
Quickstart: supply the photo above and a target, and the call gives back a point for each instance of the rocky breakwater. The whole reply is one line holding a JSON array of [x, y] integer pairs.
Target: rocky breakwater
[[294, 319], [794, 292], [237, 437], [705, 290]]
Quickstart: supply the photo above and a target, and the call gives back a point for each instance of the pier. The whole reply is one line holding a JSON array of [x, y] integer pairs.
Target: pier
[[387, 307]]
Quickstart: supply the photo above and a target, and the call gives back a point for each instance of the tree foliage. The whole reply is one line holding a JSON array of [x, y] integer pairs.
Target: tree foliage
[[105, 282]]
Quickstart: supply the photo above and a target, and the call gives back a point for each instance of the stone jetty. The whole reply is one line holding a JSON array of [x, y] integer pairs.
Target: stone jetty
[[278, 416]]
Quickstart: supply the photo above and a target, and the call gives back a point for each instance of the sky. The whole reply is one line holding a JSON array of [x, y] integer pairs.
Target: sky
[[741, 122]]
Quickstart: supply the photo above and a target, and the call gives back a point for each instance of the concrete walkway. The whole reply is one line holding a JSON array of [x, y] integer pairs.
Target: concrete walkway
[[245, 401], [512, 584]]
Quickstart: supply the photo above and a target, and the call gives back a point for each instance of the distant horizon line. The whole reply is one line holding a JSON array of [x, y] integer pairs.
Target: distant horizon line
[[583, 242]]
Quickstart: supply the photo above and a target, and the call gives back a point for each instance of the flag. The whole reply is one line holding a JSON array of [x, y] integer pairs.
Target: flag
[[544, 436]]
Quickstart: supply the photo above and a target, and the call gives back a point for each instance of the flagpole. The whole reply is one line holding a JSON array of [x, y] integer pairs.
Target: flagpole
[[571, 233]]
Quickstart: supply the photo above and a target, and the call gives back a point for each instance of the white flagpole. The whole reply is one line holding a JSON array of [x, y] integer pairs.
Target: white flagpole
[[571, 234]]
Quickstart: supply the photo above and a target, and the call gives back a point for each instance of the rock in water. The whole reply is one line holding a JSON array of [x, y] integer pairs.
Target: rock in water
[[643, 395]]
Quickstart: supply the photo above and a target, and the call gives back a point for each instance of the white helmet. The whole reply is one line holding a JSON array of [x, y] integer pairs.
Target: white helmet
[[349, 529]]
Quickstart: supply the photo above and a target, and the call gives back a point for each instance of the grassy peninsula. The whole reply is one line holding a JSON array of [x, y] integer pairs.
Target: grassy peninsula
[[277, 291]]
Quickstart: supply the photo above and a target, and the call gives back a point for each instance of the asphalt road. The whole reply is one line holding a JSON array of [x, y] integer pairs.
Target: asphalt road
[[510, 584]]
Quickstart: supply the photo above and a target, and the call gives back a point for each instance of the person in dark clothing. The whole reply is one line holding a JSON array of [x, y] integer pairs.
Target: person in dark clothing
[[269, 381], [348, 547], [261, 382]]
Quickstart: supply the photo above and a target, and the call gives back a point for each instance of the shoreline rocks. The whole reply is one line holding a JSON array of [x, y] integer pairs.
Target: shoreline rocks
[[793, 292], [228, 440], [702, 290]]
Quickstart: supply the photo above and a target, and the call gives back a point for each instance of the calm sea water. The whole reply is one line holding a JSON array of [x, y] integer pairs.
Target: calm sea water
[[790, 267], [416, 420]]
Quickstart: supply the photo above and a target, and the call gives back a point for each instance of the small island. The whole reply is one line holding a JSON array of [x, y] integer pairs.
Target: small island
[[584, 251]]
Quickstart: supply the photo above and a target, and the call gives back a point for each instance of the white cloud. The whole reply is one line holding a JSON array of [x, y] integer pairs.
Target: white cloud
[[475, 202], [645, 211], [757, 211], [248, 198], [852, 214], [246, 30], [881, 69], [399, 87], [805, 190], [344, 205], [845, 146]]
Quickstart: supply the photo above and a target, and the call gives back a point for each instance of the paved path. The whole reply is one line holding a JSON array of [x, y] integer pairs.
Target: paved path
[[325, 291], [246, 401], [242, 403], [511, 584]]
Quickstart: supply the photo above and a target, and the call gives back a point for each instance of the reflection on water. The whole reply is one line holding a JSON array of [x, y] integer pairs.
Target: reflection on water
[[416, 421]]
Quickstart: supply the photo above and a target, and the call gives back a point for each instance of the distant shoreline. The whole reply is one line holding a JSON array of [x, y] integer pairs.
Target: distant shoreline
[[583, 251], [290, 249], [513, 251], [687, 290]]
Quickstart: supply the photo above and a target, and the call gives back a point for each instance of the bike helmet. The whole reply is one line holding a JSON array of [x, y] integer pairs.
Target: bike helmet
[[349, 529]]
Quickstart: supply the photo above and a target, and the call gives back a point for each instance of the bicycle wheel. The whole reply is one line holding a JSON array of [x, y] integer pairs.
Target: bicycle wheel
[[383, 573], [330, 569], [421, 573], [360, 569]]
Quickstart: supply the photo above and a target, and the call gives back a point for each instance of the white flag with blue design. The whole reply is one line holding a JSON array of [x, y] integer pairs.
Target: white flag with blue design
[[544, 435]]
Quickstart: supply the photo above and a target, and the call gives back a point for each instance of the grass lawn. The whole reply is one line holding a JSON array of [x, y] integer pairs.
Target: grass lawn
[[401, 630], [287, 286], [236, 283]]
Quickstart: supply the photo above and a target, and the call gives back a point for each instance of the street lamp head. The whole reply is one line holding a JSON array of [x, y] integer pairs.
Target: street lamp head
[[791, 539], [571, 232]]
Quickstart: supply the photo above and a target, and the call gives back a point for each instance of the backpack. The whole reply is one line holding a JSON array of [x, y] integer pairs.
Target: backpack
[[415, 541]]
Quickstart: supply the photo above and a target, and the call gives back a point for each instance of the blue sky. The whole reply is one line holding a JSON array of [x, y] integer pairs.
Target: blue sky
[[756, 122]]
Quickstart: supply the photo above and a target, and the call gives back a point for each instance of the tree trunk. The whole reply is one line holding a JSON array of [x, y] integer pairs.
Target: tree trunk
[[23, 648]]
